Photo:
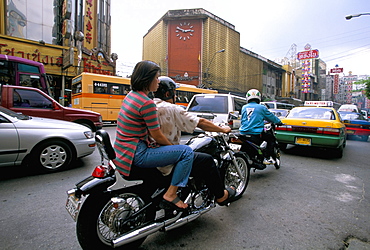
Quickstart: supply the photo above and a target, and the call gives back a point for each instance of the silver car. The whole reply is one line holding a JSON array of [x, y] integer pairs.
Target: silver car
[[47, 144]]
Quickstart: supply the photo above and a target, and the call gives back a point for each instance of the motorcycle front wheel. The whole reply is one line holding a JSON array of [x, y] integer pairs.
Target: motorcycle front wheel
[[232, 177], [105, 217], [277, 157]]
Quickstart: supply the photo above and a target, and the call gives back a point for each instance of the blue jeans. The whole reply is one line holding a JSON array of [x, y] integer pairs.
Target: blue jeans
[[180, 155]]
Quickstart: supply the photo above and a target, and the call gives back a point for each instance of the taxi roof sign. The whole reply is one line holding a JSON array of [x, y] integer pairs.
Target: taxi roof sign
[[319, 103]]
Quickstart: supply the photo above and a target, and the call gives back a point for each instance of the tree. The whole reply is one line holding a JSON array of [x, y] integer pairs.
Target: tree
[[367, 88]]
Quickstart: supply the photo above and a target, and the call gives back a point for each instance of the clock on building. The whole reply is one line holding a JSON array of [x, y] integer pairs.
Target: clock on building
[[184, 31]]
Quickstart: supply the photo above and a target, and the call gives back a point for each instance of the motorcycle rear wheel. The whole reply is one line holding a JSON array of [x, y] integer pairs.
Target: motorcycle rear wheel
[[100, 220], [232, 177]]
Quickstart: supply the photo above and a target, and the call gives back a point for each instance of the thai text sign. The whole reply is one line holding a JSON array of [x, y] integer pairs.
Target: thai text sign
[[336, 70], [308, 54]]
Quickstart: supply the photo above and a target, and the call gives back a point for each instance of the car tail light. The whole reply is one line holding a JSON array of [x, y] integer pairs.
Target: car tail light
[[100, 171], [284, 128], [329, 131]]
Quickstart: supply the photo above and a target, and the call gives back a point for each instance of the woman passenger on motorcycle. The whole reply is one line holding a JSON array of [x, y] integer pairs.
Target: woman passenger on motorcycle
[[252, 123], [137, 120]]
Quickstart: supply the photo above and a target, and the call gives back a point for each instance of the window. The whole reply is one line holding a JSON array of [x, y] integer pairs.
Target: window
[[104, 24], [29, 19], [31, 99], [6, 73], [77, 88], [100, 88], [30, 81], [28, 68], [238, 104], [207, 105]]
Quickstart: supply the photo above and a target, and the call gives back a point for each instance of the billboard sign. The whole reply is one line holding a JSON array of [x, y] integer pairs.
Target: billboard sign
[[336, 70], [309, 54]]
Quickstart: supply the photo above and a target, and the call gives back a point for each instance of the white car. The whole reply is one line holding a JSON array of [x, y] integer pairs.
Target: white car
[[48, 144]]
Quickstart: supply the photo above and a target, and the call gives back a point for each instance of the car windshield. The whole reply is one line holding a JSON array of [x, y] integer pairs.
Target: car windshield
[[351, 116], [209, 104], [13, 114], [312, 113]]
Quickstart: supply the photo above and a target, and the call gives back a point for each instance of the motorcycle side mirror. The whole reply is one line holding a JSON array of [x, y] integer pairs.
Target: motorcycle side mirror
[[234, 115]]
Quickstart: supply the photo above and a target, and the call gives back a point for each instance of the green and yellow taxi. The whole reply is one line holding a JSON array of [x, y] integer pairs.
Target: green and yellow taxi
[[316, 124]]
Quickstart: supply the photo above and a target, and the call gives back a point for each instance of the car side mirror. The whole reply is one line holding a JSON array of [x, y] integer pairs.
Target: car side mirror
[[56, 106]]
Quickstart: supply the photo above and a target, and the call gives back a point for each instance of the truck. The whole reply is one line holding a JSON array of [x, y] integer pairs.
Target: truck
[[34, 102]]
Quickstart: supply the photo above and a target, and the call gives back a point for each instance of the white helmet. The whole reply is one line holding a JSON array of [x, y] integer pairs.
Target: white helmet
[[253, 94]]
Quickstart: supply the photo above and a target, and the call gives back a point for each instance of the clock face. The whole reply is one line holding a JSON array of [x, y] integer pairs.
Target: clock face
[[184, 31]]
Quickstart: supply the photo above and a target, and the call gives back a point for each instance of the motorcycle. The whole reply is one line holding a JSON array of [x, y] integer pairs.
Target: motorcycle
[[256, 150], [115, 212]]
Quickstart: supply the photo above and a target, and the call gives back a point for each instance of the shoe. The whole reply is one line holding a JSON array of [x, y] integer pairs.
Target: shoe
[[269, 161], [231, 193], [165, 204]]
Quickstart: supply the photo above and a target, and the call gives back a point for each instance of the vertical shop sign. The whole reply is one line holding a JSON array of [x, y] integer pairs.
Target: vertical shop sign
[[306, 76], [305, 57], [89, 22], [336, 84]]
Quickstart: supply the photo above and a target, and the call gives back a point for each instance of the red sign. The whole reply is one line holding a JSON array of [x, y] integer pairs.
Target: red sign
[[336, 70], [336, 84], [308, 54]]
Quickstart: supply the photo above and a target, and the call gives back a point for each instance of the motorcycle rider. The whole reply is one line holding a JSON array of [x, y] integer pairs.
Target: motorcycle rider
[[174, 119], [252, 122]]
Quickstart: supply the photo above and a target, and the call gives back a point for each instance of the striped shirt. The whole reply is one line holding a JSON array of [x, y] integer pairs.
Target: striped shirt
[[138, 114]]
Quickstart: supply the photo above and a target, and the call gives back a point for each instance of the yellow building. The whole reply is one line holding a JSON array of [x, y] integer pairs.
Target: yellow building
[[68, 36], [196, 47]]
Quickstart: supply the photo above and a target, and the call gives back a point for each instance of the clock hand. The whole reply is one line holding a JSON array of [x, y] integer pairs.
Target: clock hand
[[188, 30], [180, 29]]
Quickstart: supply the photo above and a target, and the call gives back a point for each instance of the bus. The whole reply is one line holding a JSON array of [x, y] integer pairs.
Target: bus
[[186, 91], [99, 93], [104, 94], [23, 72]]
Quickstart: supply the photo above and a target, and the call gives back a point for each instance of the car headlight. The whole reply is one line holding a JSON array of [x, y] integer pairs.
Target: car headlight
[[89, 134]]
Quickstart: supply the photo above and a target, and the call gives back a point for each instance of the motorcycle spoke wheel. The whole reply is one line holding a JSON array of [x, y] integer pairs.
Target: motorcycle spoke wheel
[[232, 177], [104, 218], [116, 217]]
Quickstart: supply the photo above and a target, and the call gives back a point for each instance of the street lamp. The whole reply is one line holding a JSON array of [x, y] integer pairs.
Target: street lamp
[[356, 15], [213, 57]]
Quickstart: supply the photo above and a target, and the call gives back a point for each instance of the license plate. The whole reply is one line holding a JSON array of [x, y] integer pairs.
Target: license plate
[[303, 141], [350, 132], [73, 205]]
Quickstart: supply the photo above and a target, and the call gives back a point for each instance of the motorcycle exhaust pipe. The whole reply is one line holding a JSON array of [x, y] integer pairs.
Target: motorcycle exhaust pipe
[[142, 232], [152, 228], [182, 221], [137, 234], [187, 219]]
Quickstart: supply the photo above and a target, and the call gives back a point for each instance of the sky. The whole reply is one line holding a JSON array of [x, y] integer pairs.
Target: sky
[[270, 28]]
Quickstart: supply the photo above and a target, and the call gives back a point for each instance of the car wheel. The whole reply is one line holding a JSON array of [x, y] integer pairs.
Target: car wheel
[[51, 156], [338, 152]]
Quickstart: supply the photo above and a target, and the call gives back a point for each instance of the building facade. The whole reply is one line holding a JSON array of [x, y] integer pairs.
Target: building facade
[[194, 46], [68, 36]]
